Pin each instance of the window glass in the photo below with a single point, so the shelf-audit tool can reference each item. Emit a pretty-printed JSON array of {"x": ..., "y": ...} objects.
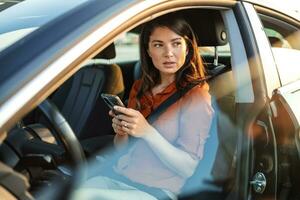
[
  {"x": 210, "y": 51},
  {"x": 127, "y": 47},
  {"x": 276, "y": 39},
  {"x": 287, "y": 62},
  {"x": 284, "y": 39},
  {"x": 286, "y": 34}
]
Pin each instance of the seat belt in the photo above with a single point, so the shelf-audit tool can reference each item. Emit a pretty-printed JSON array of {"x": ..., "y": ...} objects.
[
  {"x": 179, "y": 93},
  {"x": 156, "y": 192},
  {"x": 169, "y": 101},
  {"x": 166, "y": 104}
]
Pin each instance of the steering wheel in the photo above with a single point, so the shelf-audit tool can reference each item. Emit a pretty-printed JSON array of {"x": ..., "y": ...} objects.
[{"x": 64, "y": 132}]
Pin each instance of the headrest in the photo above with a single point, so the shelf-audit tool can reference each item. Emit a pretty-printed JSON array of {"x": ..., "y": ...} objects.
[
  {"x": 275, "y": 42},
  {"x": 108, "y": 53},
  {"x": 208, "y": 25}
]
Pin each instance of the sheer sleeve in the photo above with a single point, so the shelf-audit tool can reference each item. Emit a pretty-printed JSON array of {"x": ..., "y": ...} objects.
[{"x": 194, "y": 121}]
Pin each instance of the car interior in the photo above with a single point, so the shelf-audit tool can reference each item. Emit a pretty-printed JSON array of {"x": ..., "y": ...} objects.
[{"x": 38, "y": 155}]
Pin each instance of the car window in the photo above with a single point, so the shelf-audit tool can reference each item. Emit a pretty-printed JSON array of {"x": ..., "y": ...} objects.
[
  {"x": 276, "y": 39},
  {"x": 282, "y": 30},
  {"x": 127, "y": 47},
  {"x": 287, "y": 62},
  {"x": 284, "y": 39},
  {"x": 222, "y": 90},
  {"x": 210, "y": 51}
]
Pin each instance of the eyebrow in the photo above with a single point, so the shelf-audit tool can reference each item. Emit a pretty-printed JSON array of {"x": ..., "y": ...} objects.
[{"x": 175, "y": 39}]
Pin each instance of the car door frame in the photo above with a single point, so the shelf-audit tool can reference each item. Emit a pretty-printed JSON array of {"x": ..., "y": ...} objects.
[
  {"x": 258, "y": 141},
  {"x": 285, "y": 109}
]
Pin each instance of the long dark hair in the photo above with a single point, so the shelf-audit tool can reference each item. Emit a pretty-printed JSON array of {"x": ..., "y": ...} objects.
[{"x": 192, "y": 70}]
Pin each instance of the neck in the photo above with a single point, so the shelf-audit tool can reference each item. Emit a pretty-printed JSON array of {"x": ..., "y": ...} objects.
[{"x": 166, "y": 79}]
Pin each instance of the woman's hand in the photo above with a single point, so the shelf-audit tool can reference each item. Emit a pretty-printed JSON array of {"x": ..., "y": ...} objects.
[
  {"x": 131, "y": 122},
  {"x": 121, "y": 137},
  {"x": 135, "y": 124},
  {"x": 116, "y": 124}
]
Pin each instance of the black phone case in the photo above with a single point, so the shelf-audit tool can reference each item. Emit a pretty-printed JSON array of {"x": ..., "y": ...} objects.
[{"x": 111, "y": 100}]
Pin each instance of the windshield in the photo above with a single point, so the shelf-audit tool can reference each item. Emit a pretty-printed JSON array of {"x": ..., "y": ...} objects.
[{"x": 19, "y": 18}]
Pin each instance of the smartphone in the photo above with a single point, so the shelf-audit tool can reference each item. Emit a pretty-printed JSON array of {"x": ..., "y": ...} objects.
[{"x": 111, "y": 101}]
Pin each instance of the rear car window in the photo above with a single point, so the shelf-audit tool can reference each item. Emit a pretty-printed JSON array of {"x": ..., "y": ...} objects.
[
  {"x": 127, "y": 48},
  {"x": 284, "y": 39}
]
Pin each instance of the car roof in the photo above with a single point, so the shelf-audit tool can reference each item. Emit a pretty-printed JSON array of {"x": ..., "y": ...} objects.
[{"x": 289, "y": 7}]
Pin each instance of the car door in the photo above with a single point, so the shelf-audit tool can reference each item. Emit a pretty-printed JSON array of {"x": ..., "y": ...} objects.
[
  {"x": 254, "y": 112},
  {"x": 286, "y": 122},
  {"x": 275, "y": 154},
  {"x": 283, "y": 33},
  {"x": 255, "y": 162}
]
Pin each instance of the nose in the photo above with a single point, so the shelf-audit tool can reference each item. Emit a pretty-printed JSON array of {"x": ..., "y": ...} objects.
[{"x": 168, "y": 51}]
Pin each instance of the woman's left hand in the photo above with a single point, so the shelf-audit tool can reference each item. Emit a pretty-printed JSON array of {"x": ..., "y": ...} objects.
[{"x": 133, "y": 122}]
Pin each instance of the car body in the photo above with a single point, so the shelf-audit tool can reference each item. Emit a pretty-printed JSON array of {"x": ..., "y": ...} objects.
[{"x": 251, "y": 50}]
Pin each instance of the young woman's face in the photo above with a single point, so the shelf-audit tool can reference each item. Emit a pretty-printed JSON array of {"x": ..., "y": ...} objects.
[{"x": 167, "y": 50}]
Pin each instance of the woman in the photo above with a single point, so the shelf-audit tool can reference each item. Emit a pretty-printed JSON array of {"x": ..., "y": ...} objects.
[{"x": 166, "y": 152}]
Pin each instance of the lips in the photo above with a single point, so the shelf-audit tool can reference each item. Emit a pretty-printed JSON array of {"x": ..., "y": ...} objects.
[{"x": 168, "y": 63}]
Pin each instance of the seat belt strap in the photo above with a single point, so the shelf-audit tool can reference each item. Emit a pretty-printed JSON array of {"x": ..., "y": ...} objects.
[
  {"x": 164, "y": 105},
  {"x": 168, "y": 102}
]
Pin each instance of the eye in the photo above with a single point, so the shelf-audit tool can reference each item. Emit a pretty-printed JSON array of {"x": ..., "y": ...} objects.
[
  {"x": 177, "y": 44},
  {"x": 157, "y": 45}
]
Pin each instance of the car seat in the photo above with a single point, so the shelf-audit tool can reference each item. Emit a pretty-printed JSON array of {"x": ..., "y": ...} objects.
[
  {"x": 275, "y": 41},
  {"x": 79, "y": 98}
]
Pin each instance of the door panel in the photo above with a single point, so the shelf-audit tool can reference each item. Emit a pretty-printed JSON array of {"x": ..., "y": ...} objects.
[{"x": 286, "y": 120}]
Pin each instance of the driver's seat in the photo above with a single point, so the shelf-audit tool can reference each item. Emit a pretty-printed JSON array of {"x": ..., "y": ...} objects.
[{"x": 79, "y": 100}]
